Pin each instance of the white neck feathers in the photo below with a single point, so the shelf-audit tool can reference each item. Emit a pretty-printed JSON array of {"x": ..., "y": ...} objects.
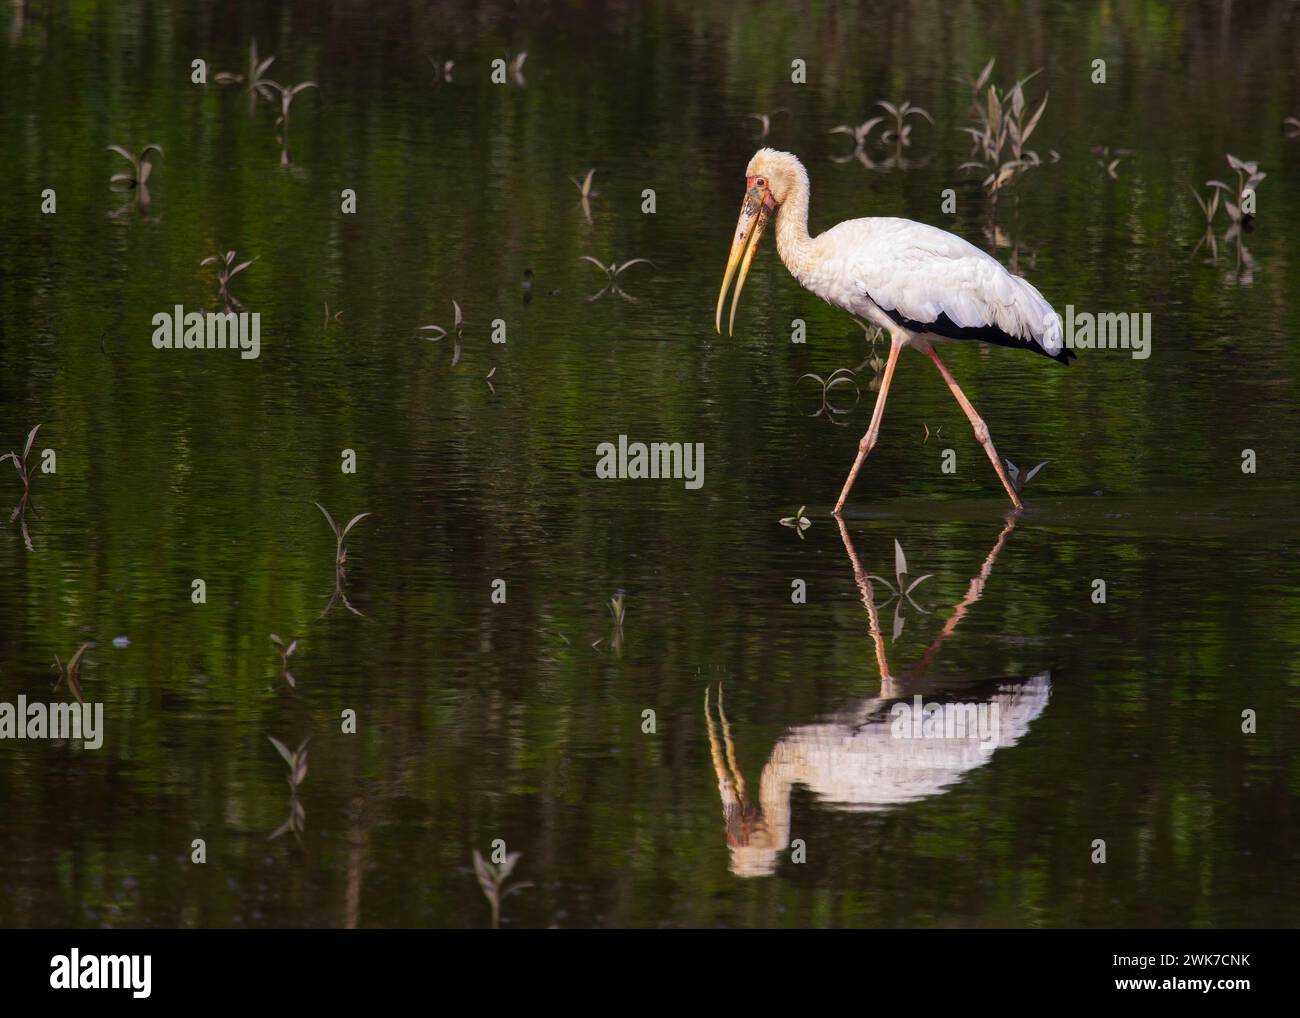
[{"x": 793, "y": 244}]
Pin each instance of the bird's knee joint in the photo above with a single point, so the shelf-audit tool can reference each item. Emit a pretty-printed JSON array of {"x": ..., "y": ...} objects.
[
  {"x": 981, "y": 431},
  {"x": 866, "y": 444}
]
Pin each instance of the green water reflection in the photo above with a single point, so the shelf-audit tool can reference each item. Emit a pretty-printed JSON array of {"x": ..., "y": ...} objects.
[{"x": 524, "y": 720}]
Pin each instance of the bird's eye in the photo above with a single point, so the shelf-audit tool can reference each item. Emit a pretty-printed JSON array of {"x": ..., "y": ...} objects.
[{"x": 761, "y": 182}]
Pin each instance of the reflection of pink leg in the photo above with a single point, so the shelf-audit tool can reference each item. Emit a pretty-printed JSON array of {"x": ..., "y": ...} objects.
[
  {"x": 873, "y": 432},
  {"x": 973, "y": 594},
  {"x": 977, "y": 422},
  {"x": 887, "y": 689}
]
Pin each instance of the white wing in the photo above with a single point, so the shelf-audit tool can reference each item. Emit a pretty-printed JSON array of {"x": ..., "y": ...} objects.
[{"x": 931, "y": 281}]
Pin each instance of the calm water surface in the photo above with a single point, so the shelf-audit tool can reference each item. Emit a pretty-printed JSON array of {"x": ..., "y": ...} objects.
[{"x": 524, "y": 721}]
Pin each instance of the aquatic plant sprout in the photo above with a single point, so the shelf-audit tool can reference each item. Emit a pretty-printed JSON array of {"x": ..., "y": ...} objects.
[
  {"x": 296, "y": 761},
  {"x": 20, "y": 465},
  {"x": 612, "y": 272},
  {"x": 1000, "y": 124},
  {"x": 340, "y": 557},
  {"x": 798, "y": 521},
  {"x": 492, "y": 881},
  {"x": 1014, "y": 473},
  {"x": 765, "y": 120},
  {"x": 285, "y": 651},
  {"x": 257, "y": 85},
  {"x": 226, "y": 271},
  {"x": 71, "y": 675},
  {"x": 437, "y": 332},
  {"x": 141, "y": 166}
]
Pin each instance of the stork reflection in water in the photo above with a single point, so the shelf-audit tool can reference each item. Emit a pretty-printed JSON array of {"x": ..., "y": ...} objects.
[{"x": 855, "y": 760}]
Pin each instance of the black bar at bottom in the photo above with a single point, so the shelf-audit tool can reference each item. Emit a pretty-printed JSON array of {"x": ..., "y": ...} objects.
[{"x": 287, "y": 968}]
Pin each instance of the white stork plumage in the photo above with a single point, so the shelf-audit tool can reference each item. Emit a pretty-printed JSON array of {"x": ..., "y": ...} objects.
[{"x": 921, "y": 284}]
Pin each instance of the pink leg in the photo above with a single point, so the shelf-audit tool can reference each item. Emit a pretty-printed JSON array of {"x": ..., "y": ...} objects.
[
  {"x": 873, "y": 432},
  {"x": 977, "y": 422}
]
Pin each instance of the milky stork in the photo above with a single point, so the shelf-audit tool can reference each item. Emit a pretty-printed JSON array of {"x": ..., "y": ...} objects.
[{"x": 919, "y": 283}]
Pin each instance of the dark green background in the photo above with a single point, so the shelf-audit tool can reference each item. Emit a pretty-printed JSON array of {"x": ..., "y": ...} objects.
[{"x": 482, "y": 721}]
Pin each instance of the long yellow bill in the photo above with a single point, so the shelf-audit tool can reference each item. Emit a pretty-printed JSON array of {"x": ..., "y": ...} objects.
[{"x": 754, "y": 214}]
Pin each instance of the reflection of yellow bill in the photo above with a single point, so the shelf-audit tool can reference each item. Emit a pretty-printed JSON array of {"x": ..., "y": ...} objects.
[{"x": 754, "y": 214}]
